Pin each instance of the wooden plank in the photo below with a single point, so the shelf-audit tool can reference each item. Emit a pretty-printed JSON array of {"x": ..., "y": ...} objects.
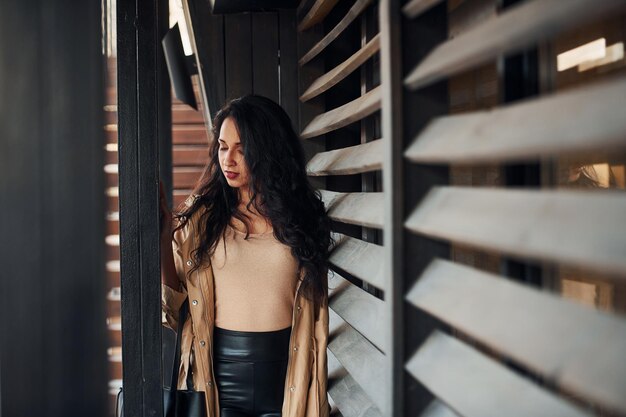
[
  {"x": 358, "y": 308},
  {"x": 316, "y": 14},
  {"x": 353, "y": 13},
  {"x": 186, "y": 177},
  {"x": 416, "y": 7},
  {"x": 352, "y": 350},
  {"x": 342, "y": 70},
  {"x": 356, "y": 159},
  {"x": 358, "y": 258},
  {"x": 242, "y": 6},
  {"x": 554, "y": 341},
  {"x": 288, "y": 64},
  {"x": 344, "y": 115},
  {"x": 509, "y": 32},
  {"x": 346, "y": 393},
  {"x": 238, "y": 54},
  {"x": 51, "y": 209},
  {"x": 573, "y": 227},
  {"x": 139, "y": 83},
  {"x": 186, "y": 155},
  {"x": 365, "y": 209},
  {"x": 477, "y": 386},
  {"x": 584, "y": 119},
  {"x": 438, "y": 409},
  {"x": 265, "y": 55}
]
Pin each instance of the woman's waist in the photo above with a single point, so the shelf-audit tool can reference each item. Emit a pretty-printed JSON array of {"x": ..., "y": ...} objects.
[{"x": 264, "y": 346}]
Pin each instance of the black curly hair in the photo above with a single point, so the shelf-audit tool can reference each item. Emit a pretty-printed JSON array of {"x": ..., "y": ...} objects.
[{"x": 275, "y": 160}]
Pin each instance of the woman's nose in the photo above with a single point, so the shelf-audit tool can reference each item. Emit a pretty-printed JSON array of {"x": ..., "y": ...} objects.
[{"x": 229, "y": 160}]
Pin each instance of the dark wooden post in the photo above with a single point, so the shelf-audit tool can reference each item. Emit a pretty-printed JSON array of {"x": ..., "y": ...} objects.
[
  {"x": 53, "y": 343},
  {"x": 141, "y": 107}
]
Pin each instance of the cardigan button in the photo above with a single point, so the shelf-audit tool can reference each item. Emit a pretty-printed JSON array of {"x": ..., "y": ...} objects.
[
  {"x": 189, "y": 263},
  {"x": 295, "y": 348},
  {"x": 292, "y": 388},
  {"x": 202, "y": 343},
  {"x": 194, "y": 302},
  {"x": 210, "y": 383}
]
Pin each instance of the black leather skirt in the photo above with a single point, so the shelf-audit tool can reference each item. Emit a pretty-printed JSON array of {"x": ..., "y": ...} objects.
[{"x": 250, "y": 370}]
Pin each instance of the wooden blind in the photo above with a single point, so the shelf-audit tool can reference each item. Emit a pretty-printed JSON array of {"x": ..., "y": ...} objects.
[
  {"x": 468, "y": 125},
  {"x": 347, "y": 92}
]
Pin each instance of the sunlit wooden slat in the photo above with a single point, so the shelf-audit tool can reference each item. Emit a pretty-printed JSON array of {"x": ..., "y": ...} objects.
[
  {"x": 358, "y": 258},
  {"x": 476, "y": 386},
  {"x": 344, "y": 115},
  {"x": 415, "y": 7},
  {"x": 353, "y": 351},
  {"x": 316, "y": 14},
  {"x": 364, "y": 209},
  {"x": 555, "y": 341},
  {"x": 578, "y": 228},
  {"x": 558, "y": 124},
  {"x": 352, "y": 14},
  {"x": 342, "y": 70},
  {"x": 358, "y": 308},
  {"x": 346, "y": 393},
  {"x": 347, "y": 161},
  {"x": 509, "y": 32}
]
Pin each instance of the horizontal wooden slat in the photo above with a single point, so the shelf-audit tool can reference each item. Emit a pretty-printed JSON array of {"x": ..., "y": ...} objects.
[
  {"x": 342, "y": 70},
  {"x": 509, "y": 32},
  {"x": 358, "y": 308},
  {"x": 358, "y": 258},
  {"x": 185, "y": 155},
  {"x": 476, "y": 386},
  {"x": 438, "y": 409},
  {"x": 579, "y": 228},
  {"x": 416, "y": 7},
  {"x": 353, "y": 350},
  {"x": 558, "y": 124},
  {"x": 347, "y": 161},
  {"x": 186, "y": 177},
  {"x": 352, "y": 14},
  {"x": 316, "y": 14},
  {"x": 344, "y": 115},
  {"x": 556, "y": 340},
  {"x": 346, "y": 393},
  {"x": 181, "y": 134},
  {"x": 365, "y": 209}
]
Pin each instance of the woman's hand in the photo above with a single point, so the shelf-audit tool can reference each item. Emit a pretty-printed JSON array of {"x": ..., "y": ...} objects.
[{"x": 165, "y": 217}]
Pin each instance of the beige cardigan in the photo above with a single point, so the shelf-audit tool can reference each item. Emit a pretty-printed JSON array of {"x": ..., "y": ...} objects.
[{"x": 306, "y": 381}]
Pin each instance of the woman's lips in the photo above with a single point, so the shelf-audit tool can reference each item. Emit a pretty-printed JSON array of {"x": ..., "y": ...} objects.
[{"x": 230, "y": 175}]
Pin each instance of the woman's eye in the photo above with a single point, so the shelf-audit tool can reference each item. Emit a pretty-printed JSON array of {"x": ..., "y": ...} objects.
[{"x": 223, "y": 149}]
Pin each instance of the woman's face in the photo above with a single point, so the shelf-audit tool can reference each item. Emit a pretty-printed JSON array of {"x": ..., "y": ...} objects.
[{"x": 230, "y": 155}]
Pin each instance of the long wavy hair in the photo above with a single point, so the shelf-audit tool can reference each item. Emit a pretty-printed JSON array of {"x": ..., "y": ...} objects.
[{"x": 279, "y": 189}]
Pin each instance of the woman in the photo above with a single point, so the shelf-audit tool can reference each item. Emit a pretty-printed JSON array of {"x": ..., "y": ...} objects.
[{"x": 250, "y": 253}]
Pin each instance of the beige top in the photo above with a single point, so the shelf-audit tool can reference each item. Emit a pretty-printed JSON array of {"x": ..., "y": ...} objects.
[{"x": 255, "y": 282}]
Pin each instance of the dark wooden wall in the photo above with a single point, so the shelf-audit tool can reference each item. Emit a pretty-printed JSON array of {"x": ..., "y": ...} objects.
[
  {"x": 53, "y": 346},
  {"x": 246, "y": 53}
]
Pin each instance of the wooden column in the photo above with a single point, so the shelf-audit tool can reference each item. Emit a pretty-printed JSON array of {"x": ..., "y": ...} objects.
[
  {"x": 53, "y": 343},
  {"x": 140, "y": 110}
]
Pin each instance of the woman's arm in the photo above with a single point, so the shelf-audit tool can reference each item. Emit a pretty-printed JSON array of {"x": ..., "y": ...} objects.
[
  {"x": 169, "y": 276},
  {"x": 173, "y": 290},
  {"x": 321, "y": 360}
]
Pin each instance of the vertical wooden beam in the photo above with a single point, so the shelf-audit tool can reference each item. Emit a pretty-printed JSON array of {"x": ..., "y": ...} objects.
[
  {"x": 139, "y": 107},
  {"x": 265, "y": 55},
  {"x": 288, "y": 61},
  {"x": 238, "y": 54},
  {"x": 393, "y": 186},
  {"x": 53, "y": 344}
]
